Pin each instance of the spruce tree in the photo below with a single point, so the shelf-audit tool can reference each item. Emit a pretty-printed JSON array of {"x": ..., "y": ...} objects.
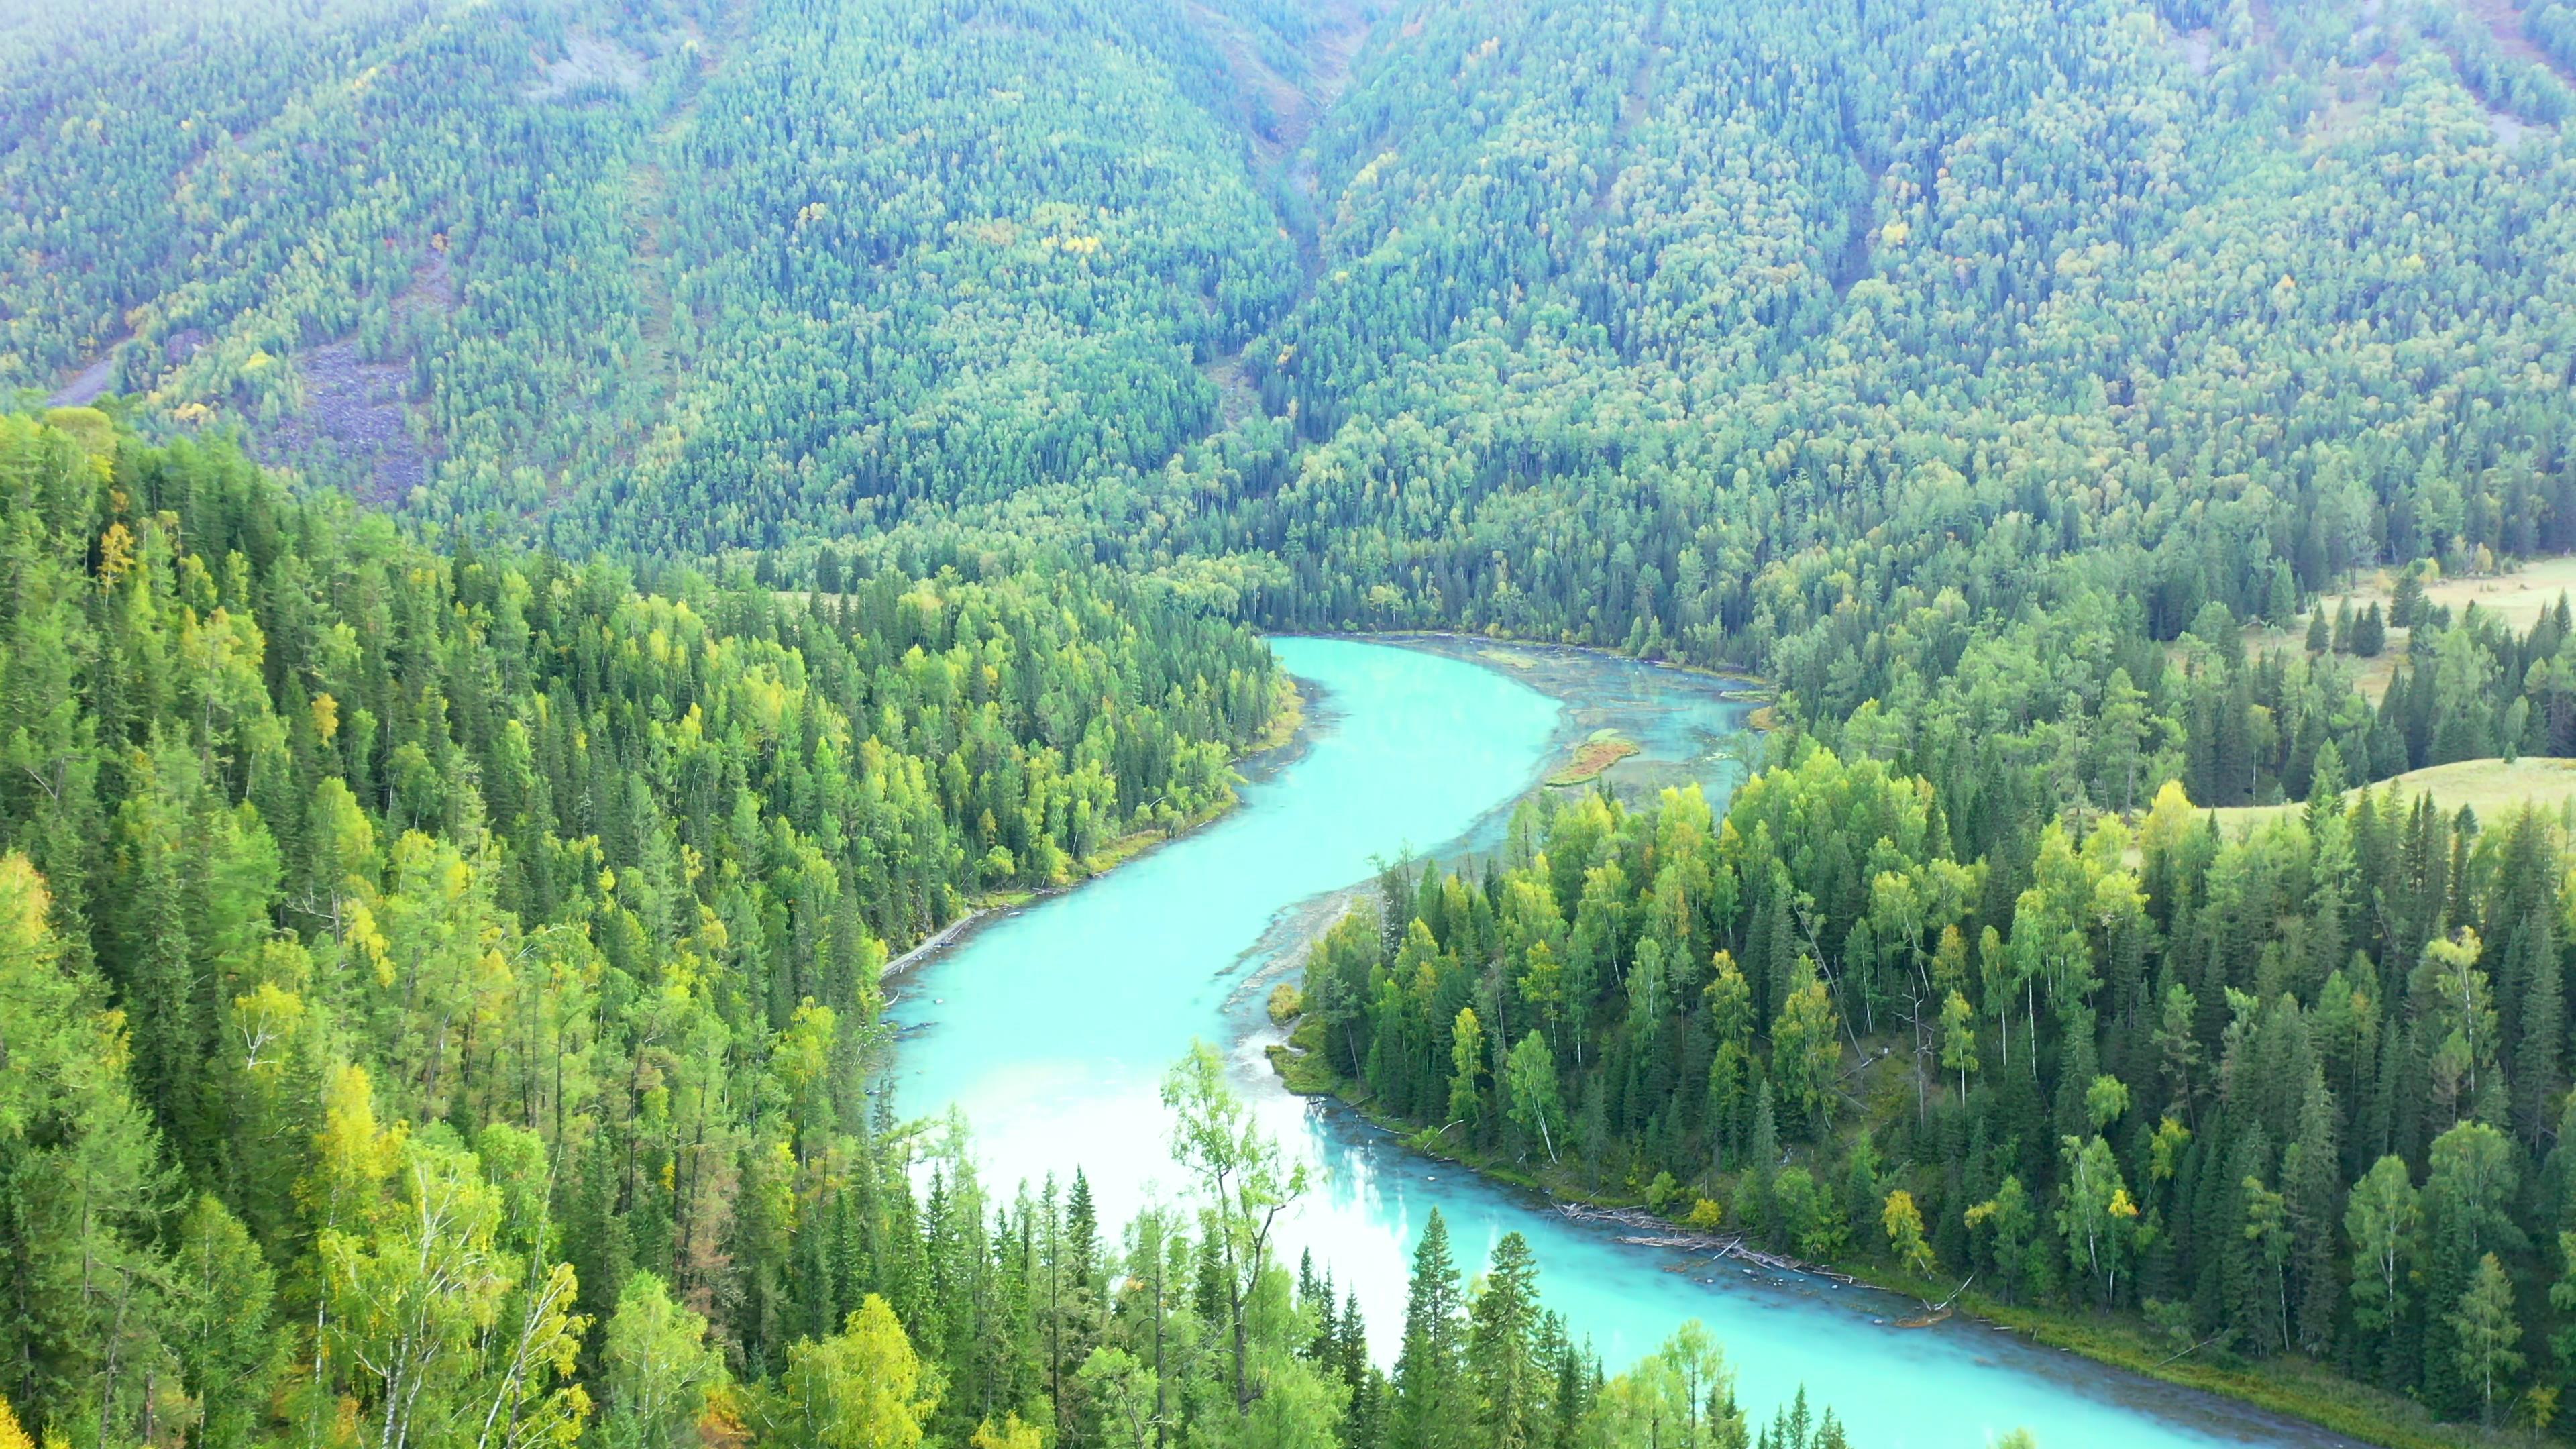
[
  {"x": 1363, "y": 1421},
  {"x": 2281, "y": 601},
  {"x": 1502, "y": 1350},
  {"x": 2532, "y": 969},
  {"x": 2310, "y": 1178},
  {"x": 1434, "y": 1404},
  {"x": 1754, "y": 1207},
  {"x": 2406, "y": 600}
]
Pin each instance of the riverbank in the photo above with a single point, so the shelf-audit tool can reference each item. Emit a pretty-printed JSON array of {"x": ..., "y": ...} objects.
[
  {"x": 2293, "y": 1387},
  {"x": 1493, "y": 648},
  {"x": 1287, "y": 724},
  {"x": 2290, "y": 1388},
  {"x": 1053, "y": 1028}
]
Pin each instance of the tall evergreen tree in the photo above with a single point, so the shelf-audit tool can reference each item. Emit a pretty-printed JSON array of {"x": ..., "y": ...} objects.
[
  {"x": 1502, "y": 1353},
  {"x": 1434, "y": 1404}
]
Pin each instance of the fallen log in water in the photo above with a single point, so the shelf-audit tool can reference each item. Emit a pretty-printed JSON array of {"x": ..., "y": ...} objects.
[
  {"x": 945, "y": 936},
  {"x": 1626, "y": 1217},
  {"x": 1782, "y": 1263},
  {"x": 1683, "y": 1242},
  {"x": 1651, "y": 1231}
]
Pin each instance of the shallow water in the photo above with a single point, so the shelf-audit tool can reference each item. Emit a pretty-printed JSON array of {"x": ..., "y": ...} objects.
[{"x": 1051, "y": 1028}]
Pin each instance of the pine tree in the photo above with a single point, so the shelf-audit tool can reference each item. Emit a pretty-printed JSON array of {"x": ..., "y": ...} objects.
[
  {"x": 2310, "y": 1177},
  {"x": 1434, "y": 1404},
  {"x": 2406, "y": 600},
  {"x": 1502, "y": 1350}
]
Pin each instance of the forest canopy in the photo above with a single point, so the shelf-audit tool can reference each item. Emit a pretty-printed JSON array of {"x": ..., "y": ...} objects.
[
  {"x": 549, "y": 540},
  {"x": 1736, "y": 336}
]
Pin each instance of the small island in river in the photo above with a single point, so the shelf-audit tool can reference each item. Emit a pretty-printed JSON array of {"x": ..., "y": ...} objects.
[{"x": 1602, "y": 749}]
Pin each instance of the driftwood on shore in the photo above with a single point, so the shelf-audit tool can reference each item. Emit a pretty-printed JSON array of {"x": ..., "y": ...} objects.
[
  {"x": 1130, "y": 845},
  {"x": 945, "y": 936},
  {"x": 1650, "y": 1231}
]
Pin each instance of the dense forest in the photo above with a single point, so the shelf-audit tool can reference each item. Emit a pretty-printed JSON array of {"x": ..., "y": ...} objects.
[
  {"x": 338, "y": 866},
  {"x": 439, "y": 997},
  {"x": 759, "y": 265},
  {"x": 867, "y": 292},
  {"x": 608, "y": 520},
  {"x": 1751, "y": 337},
  {"x": 2299, "y": 1088}
]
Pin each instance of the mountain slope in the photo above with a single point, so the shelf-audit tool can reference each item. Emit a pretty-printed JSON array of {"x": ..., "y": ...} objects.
[{"x": 746, "y": 265}]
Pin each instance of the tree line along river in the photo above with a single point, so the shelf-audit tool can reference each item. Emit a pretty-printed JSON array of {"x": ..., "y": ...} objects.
[{"x": 1051, "y": 1028}]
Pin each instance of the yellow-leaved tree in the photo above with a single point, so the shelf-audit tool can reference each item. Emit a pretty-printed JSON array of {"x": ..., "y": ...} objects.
[{"x": 861, "y": 1388}]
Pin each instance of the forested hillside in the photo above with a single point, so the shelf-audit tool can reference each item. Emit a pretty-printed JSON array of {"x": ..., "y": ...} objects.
[
  {"x": 438, "y": 996},
  {"x": 712, "y": 271},
  {"x": 2303, "y": 1090},
  {"x": 767, "y": 475},
  {"x": 1893, "y": 352},
  {"x": 312, "y": 806},
  {"x": 1951, "y": 358},
  {"x": 394, "y": 240},
  {"x": 1746, "y": 336}
]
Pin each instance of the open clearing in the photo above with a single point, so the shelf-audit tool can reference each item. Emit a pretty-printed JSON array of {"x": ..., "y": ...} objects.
[
  {"x": 2517, "y": 597},
  {"x": 2504, "y": 19},
  {"x": 2491, "y": 787}
]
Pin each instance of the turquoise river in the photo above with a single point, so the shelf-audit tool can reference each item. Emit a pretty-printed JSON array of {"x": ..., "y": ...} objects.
[{"x": 1051, "y": 1028}]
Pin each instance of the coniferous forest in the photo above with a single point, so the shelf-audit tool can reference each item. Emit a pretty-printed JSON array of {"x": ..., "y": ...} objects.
[
  {"x": 547, "y": 543},
  {"x": 441, "y": 999}
]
